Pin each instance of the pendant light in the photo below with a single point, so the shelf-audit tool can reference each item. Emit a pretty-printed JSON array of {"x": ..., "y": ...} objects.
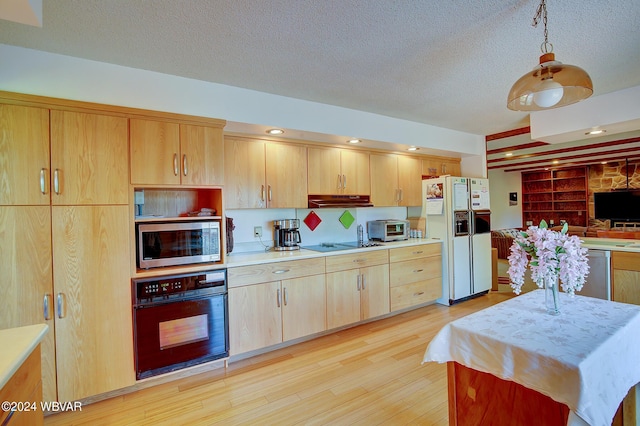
[{"x": 551, "y": 84}]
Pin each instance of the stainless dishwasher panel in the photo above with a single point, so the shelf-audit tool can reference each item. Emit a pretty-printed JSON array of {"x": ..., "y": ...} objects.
[{"x": 598, "y": 283}]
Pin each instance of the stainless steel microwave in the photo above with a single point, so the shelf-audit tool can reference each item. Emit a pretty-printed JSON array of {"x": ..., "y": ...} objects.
[
  {"x": 177, "y": 243},
  {"x": 388, "y": 230}
]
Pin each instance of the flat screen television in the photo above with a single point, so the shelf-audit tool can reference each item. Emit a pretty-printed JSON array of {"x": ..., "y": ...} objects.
[{"x": 619, "y": 206}]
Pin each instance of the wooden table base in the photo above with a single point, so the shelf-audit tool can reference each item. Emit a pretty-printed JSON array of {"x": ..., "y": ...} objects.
[{"x": 477, "y": 398}]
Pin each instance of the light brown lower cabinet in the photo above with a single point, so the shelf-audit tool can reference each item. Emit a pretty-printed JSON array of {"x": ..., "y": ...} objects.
[
  {"x": 265, "y": 312},
  {"x": 357, "y": 287},
  {"x": 27, "y": 279},
  {"x": 626, "y": 277},
  {"x": 92, "y": 295},
  {"x": 415, "y": 275},
  {"x": 625, "y": 288},
  {"x": 68, "y": 267}
]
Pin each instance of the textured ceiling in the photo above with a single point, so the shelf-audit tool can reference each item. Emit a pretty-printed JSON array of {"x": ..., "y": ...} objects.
[{"x": 444, "y": 63}]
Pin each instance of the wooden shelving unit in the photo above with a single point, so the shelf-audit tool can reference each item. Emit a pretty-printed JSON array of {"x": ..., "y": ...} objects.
[{"x": 555, "y": 196}]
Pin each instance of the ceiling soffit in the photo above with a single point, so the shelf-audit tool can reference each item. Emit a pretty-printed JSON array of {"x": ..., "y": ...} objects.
[{"x": 515, "y": 151}]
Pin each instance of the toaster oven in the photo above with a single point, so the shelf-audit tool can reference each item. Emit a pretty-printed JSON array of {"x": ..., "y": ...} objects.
[{"x": 388, "y": 230}]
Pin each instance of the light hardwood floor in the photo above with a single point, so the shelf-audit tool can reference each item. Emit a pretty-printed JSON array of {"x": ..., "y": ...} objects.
[{"x": 367, "y": 375}]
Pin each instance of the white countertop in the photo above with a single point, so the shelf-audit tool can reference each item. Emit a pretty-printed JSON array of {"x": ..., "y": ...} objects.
[
  {"x": 252, "y": 258},
  {"x": 613, "y": 244},
  {"x": 17, "y": 344}
]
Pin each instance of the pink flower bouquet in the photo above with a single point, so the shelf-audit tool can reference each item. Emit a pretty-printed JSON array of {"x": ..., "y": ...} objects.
[{"x": 552, "y": 255}]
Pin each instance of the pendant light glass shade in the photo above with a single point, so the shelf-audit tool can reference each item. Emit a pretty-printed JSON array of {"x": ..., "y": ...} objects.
[{"x": 551, "y": 84}]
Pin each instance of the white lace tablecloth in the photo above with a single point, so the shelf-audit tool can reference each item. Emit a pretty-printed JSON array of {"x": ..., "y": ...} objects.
[{"x": 587, "y": 358}]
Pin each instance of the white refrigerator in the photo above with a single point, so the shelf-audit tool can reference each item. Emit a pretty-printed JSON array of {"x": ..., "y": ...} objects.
[{"x": 457, "y": 211}]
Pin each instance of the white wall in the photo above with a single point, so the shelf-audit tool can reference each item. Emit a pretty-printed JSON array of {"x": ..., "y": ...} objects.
[
  {"x": 475, "y": 166},
  {"x": 330, "y": 229},
  {"x": 40, "y": 73},
  {"x": 500, "y": 185}
]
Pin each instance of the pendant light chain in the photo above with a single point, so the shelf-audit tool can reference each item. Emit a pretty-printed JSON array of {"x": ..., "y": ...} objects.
[{"x": 546, "y": 47}]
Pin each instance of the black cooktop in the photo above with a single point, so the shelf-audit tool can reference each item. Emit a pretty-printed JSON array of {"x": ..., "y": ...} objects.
[{"x": 326, "y": 247}]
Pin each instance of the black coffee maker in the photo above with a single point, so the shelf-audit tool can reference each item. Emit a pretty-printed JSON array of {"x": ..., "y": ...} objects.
[{"x": 286, "y": 235}]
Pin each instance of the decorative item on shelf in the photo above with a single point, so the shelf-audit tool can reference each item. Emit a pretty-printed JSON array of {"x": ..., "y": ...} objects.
[
  {"x": 553, "y": 256},
  {"x": 312, "y": 220},
  {"x": 202, "y": 212},
  {"x": 551, "y": 84},
  {"x": 346, "y": 219}
]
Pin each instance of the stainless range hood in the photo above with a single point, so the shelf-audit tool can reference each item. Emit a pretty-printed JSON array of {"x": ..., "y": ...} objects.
[{"x": 338, "y": 201}]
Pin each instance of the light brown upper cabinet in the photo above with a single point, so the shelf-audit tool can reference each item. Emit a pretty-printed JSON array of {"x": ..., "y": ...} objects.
[
  {"x": 437, "y": 166},
  {"x": 168, "y": 153},
  {"x": 88, "y": 159},
  {"x": 264, "y": 174},
  {"x": 338, "y": 171},
  {"x": 24, "y": 155},
  {"x": 396, "y": 180}
]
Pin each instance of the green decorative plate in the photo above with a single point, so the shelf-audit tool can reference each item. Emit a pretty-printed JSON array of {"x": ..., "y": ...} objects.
[{"x": 347, "y": 219}]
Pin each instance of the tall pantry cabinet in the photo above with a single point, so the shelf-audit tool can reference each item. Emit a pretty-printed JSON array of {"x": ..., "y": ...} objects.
[{"x": 64, "y": 238}]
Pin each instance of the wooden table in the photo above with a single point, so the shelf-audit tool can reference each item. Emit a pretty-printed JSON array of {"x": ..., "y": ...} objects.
[{"x": 515, "y": 364}]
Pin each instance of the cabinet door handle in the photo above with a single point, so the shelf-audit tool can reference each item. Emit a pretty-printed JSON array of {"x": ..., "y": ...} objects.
[
  {"x": 418, "y": 270},
  {"x": 262, "y": 192},
  {"x": 56, "y": 181},
  {"x": 269, "y": 192},
  {"x": 339, "y": 181},
  {"x": 278, "y": 298},
  {"x": 281, "y": 271},
  {"x": 359, "y": 276},
  {"x": 360, "y": 260},
  {"x": 363, "y": 286},
  {"x": 344, "y": 181},
  {"x": 175, "y": 164},
  {"x": 46, "y": 307},
  {"x": 417, "y": 252},
  {"x": 62, "y": 309},
  {"x": 184, "y": 164},
  {"x": 43, "y": 181},
  {"x": 400, "y": 199},
  {"x": 418, "y": 294},
  {"x": 286, "y": 297}
]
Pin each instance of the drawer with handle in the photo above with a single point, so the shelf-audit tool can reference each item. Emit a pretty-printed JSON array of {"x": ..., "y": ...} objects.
[
  {"x": 412, "y": 252},
  {"x": 344, "y": 262},
  {"x": 416, "y": 293},
  {"x": 274, "y": 271},
  {"x": 411, "y": 271}
]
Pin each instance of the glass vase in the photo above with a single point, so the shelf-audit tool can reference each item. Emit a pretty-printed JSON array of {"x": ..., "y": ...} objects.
[{"x": 552, "y": 296}]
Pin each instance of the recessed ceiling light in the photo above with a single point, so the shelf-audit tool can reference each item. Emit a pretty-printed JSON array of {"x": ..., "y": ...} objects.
[
  {"x": 603, "y": 162},
  {"x": 555, "y": 161},
  {"x": 508, "y": 154},
  {"x": 354, "y": 141},
  {"x": 595, "y": 132},
  {"x": 413, "y": 148},
  {"x": 275, "y": 131}
]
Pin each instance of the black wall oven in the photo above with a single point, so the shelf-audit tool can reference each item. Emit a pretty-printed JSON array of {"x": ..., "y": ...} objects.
[{"x": 179, "y": 321}]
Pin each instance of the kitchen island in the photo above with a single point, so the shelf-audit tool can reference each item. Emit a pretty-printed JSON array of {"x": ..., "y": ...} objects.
[
  {"x": 574, "y": 369},
  {"x": 20, "y": 376}
]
